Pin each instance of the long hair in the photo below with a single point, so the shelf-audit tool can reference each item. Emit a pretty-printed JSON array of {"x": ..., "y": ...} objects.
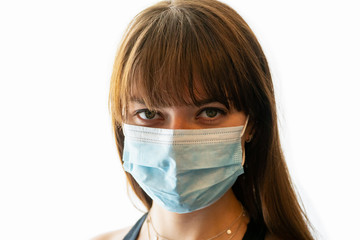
[{"x": 174, "y": 50}]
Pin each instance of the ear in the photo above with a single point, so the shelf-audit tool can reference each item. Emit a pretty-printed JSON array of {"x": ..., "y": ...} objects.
[
  {"x": 249, "y": 133},
  {"x": 247, "y": 137}
]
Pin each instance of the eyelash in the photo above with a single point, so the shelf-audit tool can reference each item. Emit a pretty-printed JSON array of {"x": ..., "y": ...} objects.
[
  {"x": 143, "y": 111},
  {"x": 209, "y": 119}
]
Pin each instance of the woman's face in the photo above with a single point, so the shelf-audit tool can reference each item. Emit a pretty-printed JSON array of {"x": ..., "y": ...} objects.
[{"x": 209, "y": 114}]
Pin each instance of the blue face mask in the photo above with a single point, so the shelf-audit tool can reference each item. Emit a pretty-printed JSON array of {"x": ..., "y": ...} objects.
[{"x": 183, "y": 170}]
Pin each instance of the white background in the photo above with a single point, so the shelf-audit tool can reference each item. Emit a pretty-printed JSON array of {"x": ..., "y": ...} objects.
[{"x": 60, "y": 177}]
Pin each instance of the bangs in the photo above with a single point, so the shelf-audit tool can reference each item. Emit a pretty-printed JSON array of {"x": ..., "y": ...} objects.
[{"x": 175, "y": 55}]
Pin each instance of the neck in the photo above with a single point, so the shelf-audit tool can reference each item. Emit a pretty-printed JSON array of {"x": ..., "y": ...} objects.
[{"x": 201, "y": 224}]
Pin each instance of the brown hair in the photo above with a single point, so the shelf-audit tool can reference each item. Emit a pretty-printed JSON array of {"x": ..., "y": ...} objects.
[{"x": 173, "y": 48}]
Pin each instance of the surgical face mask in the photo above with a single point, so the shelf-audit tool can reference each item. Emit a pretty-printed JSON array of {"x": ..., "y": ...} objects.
[{"x": 183, "y": 170}]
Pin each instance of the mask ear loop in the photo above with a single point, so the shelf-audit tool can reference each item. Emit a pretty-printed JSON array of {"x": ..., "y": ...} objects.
[{"x": 242, "y": 133}]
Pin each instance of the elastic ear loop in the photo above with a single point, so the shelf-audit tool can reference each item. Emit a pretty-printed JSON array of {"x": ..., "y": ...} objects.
[{"x": 242, "y": 133}]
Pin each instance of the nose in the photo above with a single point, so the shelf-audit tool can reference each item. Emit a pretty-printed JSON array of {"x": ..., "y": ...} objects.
[
  {"x": 178, "y": 122},
  {"x": 180, "y": 118}
]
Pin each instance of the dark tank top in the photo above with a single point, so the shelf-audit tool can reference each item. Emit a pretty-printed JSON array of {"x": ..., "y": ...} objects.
[{"x": 253, "y": 231}]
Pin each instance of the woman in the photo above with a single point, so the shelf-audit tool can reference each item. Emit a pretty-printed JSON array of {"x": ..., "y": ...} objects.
[{"x": 194, "y": 116}]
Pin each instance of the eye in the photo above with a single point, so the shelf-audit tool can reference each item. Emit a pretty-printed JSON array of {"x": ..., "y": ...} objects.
[
  {"x": 211, "y": 113},
  {"x": 147, "y": 114}
]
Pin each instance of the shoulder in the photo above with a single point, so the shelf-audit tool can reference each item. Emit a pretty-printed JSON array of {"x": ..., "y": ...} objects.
[{"x": 114, "y": 235}]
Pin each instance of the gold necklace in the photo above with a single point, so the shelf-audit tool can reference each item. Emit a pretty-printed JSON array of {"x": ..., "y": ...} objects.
[{"x": 226, "y": 230}]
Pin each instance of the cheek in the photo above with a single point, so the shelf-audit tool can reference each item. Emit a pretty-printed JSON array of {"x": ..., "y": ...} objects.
[
  {"x": 236, "y": 119},
  {"x": 128, "y": 117}
]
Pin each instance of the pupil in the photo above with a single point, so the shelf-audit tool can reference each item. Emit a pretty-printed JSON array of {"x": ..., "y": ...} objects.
[
  {"x": 211, "y": 113},
  {"x": 150, "y": 114}
]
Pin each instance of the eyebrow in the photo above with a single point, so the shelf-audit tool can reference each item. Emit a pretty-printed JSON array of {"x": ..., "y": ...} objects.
[
  {"x": 137, "y": 100},
  {"x": 198, "y": 103},
  {"x": 207, "y": 101}
]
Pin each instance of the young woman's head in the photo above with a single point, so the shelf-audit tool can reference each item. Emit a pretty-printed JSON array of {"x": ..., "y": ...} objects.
[{"x": 179, "y": 53}]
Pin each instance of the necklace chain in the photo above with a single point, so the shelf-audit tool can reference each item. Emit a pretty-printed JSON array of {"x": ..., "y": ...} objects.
[{"x": 226, "y": 230}]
